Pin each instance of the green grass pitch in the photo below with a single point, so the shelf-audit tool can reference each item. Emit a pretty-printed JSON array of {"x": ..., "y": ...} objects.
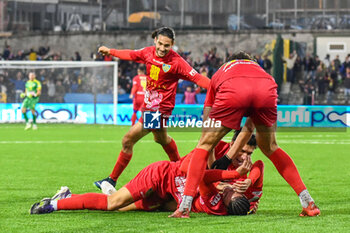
[{"x": 34, "y": 164}]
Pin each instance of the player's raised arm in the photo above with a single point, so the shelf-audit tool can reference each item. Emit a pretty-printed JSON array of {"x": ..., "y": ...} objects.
[{"x": 121, "y": 54}]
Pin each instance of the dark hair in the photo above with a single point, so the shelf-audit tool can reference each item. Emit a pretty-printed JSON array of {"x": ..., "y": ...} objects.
[
  {"x": 142, "y": 69},
  {"x": 251, "y": 142},
  {"x": 240, "y": 55},
  {"x": 238, "y": 206},
  {"x": 164, "y": 31}
]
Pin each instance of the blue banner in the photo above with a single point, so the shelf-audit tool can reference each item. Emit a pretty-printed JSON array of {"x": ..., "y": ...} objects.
[{"x": 288, "y": 115}]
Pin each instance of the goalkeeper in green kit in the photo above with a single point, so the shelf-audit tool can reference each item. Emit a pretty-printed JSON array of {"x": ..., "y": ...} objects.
[{"x": 31, "y": 98}]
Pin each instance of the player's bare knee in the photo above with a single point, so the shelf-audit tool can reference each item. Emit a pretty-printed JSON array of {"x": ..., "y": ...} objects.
[{"x": 113, "y": 202}]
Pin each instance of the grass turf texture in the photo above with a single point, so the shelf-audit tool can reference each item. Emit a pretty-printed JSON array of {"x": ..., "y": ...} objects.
[{"x": 78, "y": 155}]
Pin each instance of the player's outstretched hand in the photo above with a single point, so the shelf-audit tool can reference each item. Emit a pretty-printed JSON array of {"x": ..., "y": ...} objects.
[
  {"x": 23, "y": 95},
  {"x": 221, "y": 163},
  {"x": 245, "y": 167},
  {"x": 104, "y": 50}
]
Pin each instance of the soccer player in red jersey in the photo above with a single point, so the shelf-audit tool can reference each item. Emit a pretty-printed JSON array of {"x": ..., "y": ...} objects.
[
  {"x": 164, "y": 181},
  {"x": 164, "y": 67},
  {"x": 242, "y": 88},
  {"x": 138, "y": 92}
]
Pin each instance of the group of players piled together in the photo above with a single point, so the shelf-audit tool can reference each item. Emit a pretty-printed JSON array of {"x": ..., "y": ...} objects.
[{"x": 216, "y": 177}]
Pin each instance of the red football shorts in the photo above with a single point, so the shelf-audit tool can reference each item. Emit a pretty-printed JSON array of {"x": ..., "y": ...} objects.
[
  {"x": 153, "y": 178},
  {"x": 137, "y": 104},
  {"x": 250, "y": 97}
]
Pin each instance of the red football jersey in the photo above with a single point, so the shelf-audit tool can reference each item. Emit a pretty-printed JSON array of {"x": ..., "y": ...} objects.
[
  {"x": 163, "y": 74},
  {"x": 234, "y": 69},
  {"x": 139, "y": 83}
]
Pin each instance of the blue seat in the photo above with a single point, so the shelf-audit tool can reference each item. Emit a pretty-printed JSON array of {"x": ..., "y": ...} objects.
[
  {"x": 104, "y": 98},
  {"x": 178, "y": 98},
  {"x": 200, "y": 98},
  {"x": 79, "y": 98}
]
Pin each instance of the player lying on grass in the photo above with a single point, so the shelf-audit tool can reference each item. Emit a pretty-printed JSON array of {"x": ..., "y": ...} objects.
[
  {"x": 163, "y": 181},
  {"x": 250, "y": 187}
]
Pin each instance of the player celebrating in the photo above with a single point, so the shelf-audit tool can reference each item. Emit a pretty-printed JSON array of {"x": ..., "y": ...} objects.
[
  {"x": 155, "y": 183},
  {"x": 31, "y": 95},
  {"x": 138, "y": 92},
  {"x": 164, "y": 68},
  {"x": 242, "y": 88}
]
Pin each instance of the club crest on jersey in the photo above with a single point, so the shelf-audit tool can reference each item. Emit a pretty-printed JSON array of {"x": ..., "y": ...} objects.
[{"x": 166, "y": 67}]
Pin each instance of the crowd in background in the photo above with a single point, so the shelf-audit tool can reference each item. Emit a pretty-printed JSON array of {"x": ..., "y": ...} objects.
[{"x": 318, "y": 79}]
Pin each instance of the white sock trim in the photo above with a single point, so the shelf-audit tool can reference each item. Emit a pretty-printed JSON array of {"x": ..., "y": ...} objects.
[
  {"x": 54, "y": 204},
  {"x": 305, "y": 198}
]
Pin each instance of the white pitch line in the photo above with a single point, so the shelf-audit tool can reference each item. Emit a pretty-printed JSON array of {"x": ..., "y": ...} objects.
[{"x": 337, "y": 142}]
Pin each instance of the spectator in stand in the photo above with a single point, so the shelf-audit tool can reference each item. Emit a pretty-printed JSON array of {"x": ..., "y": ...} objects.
[
  {"x": 51, "y": 90},
  {"x": 337, "y": 63},
  {"x": 267, "y": 64},
  {"x": 20, "y": 56},
  {"x": 190, "y": 96},
  {"x": 197, "y": 64},
  {"x": 259, "y": 60},
  {"x": 7, "y": 54},
  {"x": 60, "y": 92},
  {"x": 290, "y": 64},
  {"x": 308, "y": 92},
  {"x": 327, "y": 61},
  {"x": 32, "y": 55},
  {"x": 298, "y": 69},
  {"x": 333, "y": 72},
  {"x": 343, "y": 67},
  {"x": 320, "y": 79},
  {"x": 74, "y": 87},
  {"x": 331, "y": 88},
  {"x": 77, "y": 56},
  {"x": 347, "y": 86},
  {"x": 3, "y": 90},
  {"x": 121, "y": 91},
  {"x": 309, "y": 67},
  {"x": 19, "y": 86}
]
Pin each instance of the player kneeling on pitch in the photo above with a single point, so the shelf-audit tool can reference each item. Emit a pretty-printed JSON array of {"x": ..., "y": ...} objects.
[{"x": 161, "y": 184}]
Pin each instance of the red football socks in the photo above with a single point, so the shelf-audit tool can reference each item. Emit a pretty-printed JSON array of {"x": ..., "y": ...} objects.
[
  {"x": 122, "y": 162},
  {"x": 287, "y": 169},
  {"x": 91, "y": 201},
  {"x": 196, "y": 171},
  {"x": 171, "y": 150},
  {"x": 133, "y": 118}
]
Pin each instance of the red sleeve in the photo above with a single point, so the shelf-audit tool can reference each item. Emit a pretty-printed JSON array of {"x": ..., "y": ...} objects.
[
  {"x": 214, "y": 175},
  {"x": 256, "y": 171},
  {"x": 209, "y": 99},
  {"x": 122, "y": 54},
  {"x": 207, "y": 187},
  {"x": 134, "y": 85}
]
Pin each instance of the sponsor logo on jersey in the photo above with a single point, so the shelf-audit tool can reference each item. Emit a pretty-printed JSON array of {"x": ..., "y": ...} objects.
[
  {"x": 193, "y": 72},
  {"x": 166, "y": 67},
  {"x": 159, "y": 62}
]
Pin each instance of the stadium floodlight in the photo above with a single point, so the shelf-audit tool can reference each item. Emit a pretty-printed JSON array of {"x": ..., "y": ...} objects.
[{"x": 89, "y": 77}]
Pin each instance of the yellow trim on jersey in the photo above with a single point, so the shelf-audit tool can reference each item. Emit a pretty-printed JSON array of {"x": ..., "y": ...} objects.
[{"x": 39, "y": 84}]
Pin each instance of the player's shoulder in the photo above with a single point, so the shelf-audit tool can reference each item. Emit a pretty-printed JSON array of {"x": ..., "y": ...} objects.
[
  {"x": 37, "y": 82},
  {"x": 148, "y": 49}
]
